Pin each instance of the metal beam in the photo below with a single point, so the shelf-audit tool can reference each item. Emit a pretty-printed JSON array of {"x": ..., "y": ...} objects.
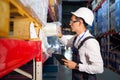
[{"x": 23, "y": 73}]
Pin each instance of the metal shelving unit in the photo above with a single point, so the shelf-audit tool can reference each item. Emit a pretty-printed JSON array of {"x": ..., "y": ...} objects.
[
  {"x": 15, "y": 50},
  {"x": 106, "y": 13}
]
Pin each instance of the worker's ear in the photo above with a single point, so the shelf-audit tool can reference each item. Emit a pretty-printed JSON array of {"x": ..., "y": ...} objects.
[{"x": 81, "y": 21}]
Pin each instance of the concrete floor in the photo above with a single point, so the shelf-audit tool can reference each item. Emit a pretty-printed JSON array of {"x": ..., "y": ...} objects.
[{"x": 65, "y": 74}]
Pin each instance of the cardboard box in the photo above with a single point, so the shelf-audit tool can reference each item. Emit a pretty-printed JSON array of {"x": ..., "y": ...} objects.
[{"x": 21, "y": 28}]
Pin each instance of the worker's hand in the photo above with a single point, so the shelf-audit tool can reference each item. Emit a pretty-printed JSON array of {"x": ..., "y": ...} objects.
[
  {"x": 70, "y": 64},
  {"x": 59, "y": 34}
]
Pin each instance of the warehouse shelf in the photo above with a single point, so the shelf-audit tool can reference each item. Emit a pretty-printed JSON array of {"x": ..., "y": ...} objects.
[
  {"x": 13, "y": 10},
  {"x": 17, "y": 48},
  {"x": 111, "y": 55},
  {"x": 107, "y": 20},
  {"x": 25, "y": 11},
  {"x": 97, "y": 5},
  {"x": 17, "y": 55}
]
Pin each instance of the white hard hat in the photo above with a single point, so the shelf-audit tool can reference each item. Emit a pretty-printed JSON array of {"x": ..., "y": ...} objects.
[{"x": 86, "y": 14}]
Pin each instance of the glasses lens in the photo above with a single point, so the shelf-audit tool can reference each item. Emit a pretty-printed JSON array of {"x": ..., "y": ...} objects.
[{"x": 73, "y": 21}]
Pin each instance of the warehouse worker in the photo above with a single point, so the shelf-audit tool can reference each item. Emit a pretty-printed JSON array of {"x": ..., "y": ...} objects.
[{"x": 86, "y": 57}]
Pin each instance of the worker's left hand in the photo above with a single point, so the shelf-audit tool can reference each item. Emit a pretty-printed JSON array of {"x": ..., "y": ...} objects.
[{"x": 70, "y": 64}]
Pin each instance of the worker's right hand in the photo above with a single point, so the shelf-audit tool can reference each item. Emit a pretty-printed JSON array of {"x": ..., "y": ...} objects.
[
  {"x": 59, "y": 34},
  {"x": 70, "y": 64}
]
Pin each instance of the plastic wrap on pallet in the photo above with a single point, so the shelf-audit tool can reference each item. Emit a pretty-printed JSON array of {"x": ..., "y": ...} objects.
[
  {"x": 117, "y": 1},
  {"x": 25, "y": 2},
  {"x": 43, "y": 38},
  {"x": 117, "y": 16},
  {"x": 39, "y": 8},
  {"x": 117, "y": 8},
  {"x": 105, "y": 6},
  {"x": 32, "y": 31},
  {"x": 47, "y": 51},
  {"x": 112, "y": 7},
  {"x": 99, "y": 21},
  {"x": 117, "y": 23},
  {"x": 105, "y": 25},
  {"x": 99, "y": 15},
  {"x": 105, "y": 16}
]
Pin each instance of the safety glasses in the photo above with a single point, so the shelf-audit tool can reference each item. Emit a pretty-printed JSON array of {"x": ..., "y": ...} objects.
[{"x": 71, "y": 22}]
